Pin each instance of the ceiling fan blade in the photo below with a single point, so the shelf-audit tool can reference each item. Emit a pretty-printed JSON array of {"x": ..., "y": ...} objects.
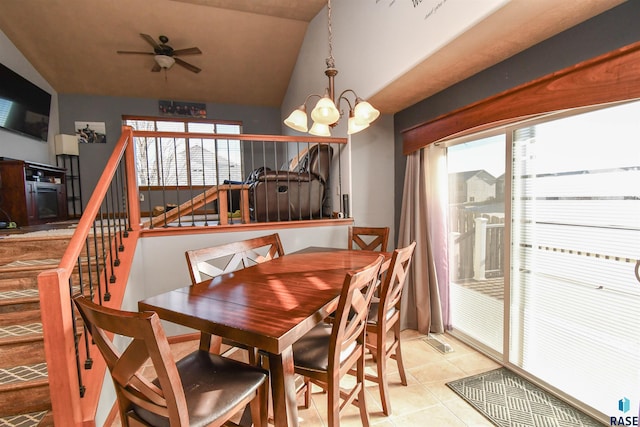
[
  {"x": 136, "y": 53},
  {"x": 187, "y": 65},
  {"x": 188, "y": 51},
  {"x": 150, "y": 40},
  {"x": 156, "y": 68}
]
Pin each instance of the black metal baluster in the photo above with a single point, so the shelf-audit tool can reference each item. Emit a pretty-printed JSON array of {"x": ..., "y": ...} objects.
[
  {"x": 81, "y": 388},
  {"x": 109, "y": 195},
  {"x": 113, "y": 240},
  {"x": 175, "y": 161},
  {"x": 103, "y": 262},
  {"x": 119, "y": 213}
]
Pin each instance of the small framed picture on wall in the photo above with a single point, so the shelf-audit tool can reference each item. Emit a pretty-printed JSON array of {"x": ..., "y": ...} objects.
[
  {"x": 183, "y": 109},
  {"x": 91, "y": 132}
]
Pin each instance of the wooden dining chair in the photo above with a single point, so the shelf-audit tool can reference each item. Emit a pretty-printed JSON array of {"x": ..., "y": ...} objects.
[
  {"x": 201, "y": 389},
  {"x": 384, "y": 316},
  {"x": 368, "y": 238},
  {"x": 330, "y": 350},
  {"x": 210, "y": 262}
]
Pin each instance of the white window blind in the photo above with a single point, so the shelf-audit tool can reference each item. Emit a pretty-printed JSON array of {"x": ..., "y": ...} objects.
[{"x": 575, "y": 241}]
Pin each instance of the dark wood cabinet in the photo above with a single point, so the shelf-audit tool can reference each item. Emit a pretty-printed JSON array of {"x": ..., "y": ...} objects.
[{"x": 32, "y": 193}]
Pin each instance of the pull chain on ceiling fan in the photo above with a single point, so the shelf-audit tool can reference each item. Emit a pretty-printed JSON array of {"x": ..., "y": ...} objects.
[{"x": 165, "y": 56}]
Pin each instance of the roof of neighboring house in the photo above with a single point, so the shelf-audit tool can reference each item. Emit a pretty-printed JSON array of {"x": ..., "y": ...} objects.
[{"x": 467, "y": 175}]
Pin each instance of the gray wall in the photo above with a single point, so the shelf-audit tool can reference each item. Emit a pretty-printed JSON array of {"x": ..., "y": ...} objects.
[
  {"x": 606, "y": 32},
  {"x": 93, "y": 157}
]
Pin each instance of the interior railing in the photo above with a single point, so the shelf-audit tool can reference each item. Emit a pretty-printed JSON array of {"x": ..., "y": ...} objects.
[
  {"x": 98, "y": 258},
  {"x": 106, "y": 235},
  {"x": 196, "y": 179}
]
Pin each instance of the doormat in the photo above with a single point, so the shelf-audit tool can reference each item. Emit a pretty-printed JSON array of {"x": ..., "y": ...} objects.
[{"x": 508, "y": 400}]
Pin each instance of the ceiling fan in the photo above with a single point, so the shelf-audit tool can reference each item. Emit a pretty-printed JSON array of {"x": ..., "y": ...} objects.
[{"x": 165, "y": 56}]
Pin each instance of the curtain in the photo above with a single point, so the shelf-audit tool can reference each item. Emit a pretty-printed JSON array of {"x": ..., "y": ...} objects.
[{"x": 425, "y": 301}]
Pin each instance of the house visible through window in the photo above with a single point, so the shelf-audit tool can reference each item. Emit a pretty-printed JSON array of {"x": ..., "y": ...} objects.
[{"x": 175, "y": 161}]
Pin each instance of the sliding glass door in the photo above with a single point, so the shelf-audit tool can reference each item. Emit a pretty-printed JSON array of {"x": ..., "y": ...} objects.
[
  {"x": 575, "y": 243},
  {"x": 476, "y": 224},
  {"x": 568, "y": 312}
]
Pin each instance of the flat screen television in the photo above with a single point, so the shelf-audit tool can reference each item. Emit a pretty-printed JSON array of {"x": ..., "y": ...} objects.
[{"x": 24, "y": 107}]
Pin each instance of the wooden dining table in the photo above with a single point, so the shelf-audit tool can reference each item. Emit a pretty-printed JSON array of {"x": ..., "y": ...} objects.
[{"x": 268, "y": 306}]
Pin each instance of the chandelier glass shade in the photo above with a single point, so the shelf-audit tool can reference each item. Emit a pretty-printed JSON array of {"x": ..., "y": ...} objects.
[
  {"x": 164, "y": 61},
  {"x": 327, "y": 113}
]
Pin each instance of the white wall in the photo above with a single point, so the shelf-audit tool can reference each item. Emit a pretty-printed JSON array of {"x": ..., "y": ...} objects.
[
  {"x": 159, "y": 264},
  {"x": 17, "y": 146}
]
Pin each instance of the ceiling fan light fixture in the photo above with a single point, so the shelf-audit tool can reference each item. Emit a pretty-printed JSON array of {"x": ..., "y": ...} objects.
[{"x": 165, "y": 61}]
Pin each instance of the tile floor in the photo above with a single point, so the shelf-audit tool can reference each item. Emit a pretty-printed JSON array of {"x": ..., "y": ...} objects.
[{"x": 426, "y": 400}]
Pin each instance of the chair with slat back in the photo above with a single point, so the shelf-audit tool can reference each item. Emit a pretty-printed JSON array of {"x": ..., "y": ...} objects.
[
  {"x": 384, "y": 316},
  {"x": 330, "y": 350},
  {"x": 368, "y": 238},
  {"x": 200, "y": 389},
  {"x": 210, "y": 262},
  {"x": 213, "y": 261}
]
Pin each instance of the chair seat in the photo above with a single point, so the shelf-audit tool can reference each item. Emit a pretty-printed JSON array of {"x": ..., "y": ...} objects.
[
  {"x": 373, "y": 313},
  {"x": 311, "y": 352},
  {"x": 220, "y": 384}
]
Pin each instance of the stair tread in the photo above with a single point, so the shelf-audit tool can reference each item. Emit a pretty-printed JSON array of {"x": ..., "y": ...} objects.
[
  {"x": 23, "y": 420},
  {"x": 19, "y": 374},
  {"x": 19, "y": 331},
  {"x": 31, "y": 262},
  {"x": 18, "y": 294}
]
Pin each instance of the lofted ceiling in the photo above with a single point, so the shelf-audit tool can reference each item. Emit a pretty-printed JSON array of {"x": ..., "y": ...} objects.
[{"x": 249, "y": 47}]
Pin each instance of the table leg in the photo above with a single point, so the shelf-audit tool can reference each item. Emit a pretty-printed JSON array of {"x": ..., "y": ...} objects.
[{"x": 283, "y": 389}]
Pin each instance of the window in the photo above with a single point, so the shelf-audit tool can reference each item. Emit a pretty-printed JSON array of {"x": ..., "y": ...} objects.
[{"x": 179, "y": 161}]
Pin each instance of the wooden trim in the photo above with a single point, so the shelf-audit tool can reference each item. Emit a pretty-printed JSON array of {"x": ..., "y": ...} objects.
[
  {"x": 240, "y": 137},
  {"x": 611, "y": 77},
  {"x": 273, "y": 225},
  {"x": 182, "y": 119}
]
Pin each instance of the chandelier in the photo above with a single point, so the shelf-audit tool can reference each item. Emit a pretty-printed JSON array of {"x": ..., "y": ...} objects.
[{"x": 326, "y": 114}]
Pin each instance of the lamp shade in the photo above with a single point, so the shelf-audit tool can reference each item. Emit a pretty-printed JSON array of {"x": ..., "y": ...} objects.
[
  {"x": 354, "y": 127},
  {"x": 297, "y": 120},
  {"x": 165, "y": 61},
  {"x": 320, "y": 129},
  {"x": 325, "y": 111},
  {"x": 365, "y": 113},
  {"x": 66, "y": 144}
]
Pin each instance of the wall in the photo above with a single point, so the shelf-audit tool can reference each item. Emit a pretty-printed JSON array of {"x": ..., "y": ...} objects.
[
  {"x": 93, "y": 157},
  {"x": 606, "y": 32},
  {"x": 17, "y": 146}
]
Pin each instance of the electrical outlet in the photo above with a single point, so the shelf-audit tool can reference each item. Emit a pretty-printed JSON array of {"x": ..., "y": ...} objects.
[{"x": 141, "y": 197}]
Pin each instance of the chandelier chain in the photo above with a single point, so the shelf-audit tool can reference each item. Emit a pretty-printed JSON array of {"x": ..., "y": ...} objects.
[{"x": 330, "y": 61}]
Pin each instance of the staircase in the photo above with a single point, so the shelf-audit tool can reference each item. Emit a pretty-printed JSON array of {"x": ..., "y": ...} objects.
[{"x": 24, "y": 390}]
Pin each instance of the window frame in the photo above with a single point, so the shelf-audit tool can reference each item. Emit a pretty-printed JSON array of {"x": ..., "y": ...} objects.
[{"x": 185, "y": 121}]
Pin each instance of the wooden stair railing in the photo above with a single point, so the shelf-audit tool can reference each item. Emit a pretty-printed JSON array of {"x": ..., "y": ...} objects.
[{"x": 65, "y": 379}]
